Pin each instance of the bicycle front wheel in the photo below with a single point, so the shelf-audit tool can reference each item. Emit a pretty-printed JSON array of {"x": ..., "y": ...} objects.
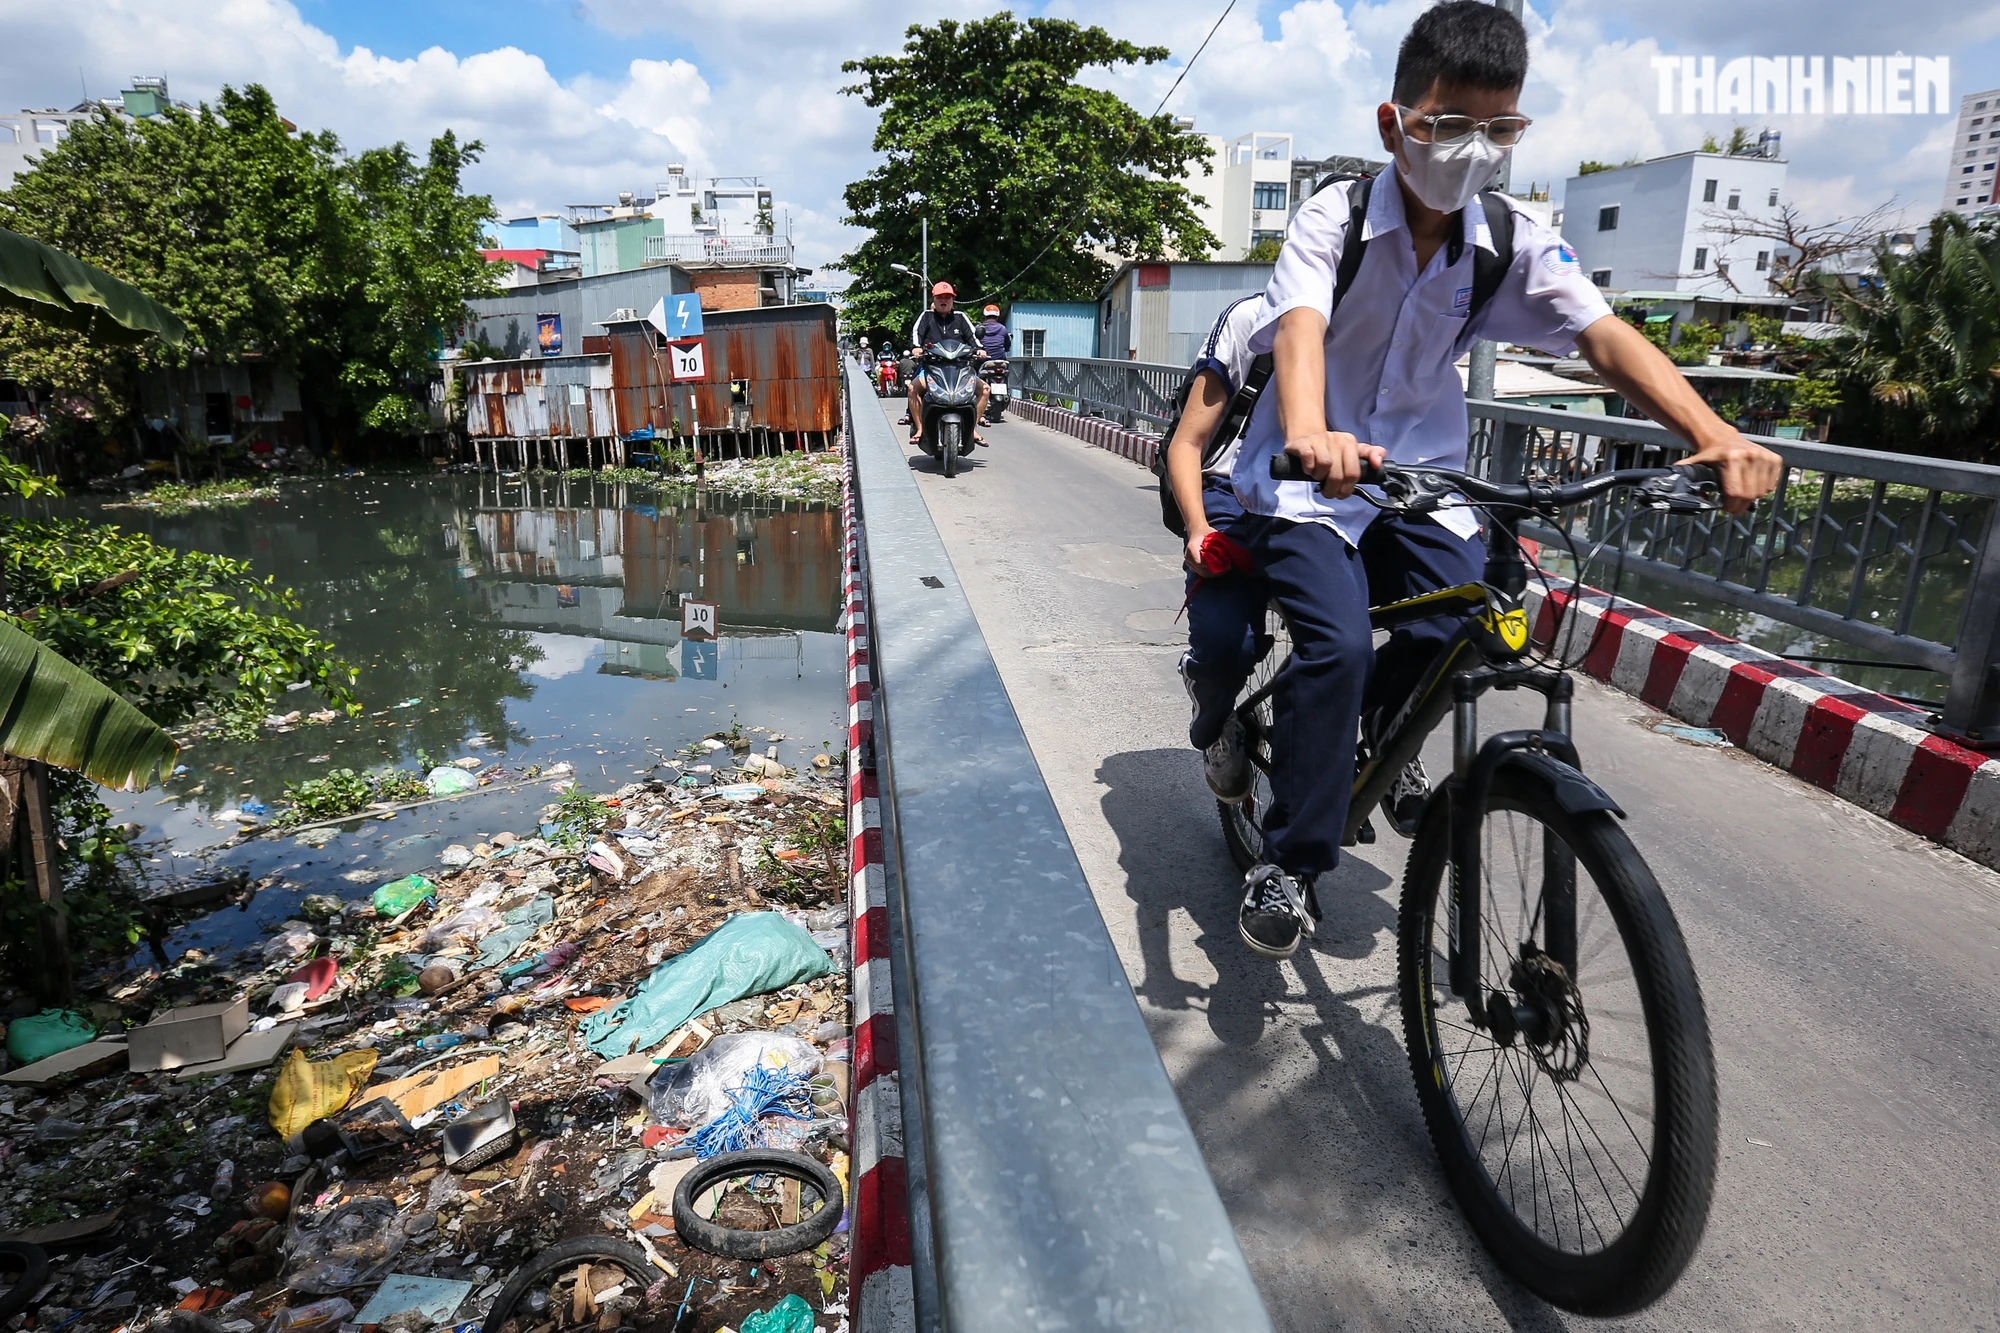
[{"x": 1576, "y": 1122}]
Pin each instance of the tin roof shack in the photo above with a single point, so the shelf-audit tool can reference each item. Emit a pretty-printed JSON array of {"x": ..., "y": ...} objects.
[
  {"x": 248, "y": 406},
  {"x": 540, "y": 405},
  {"x": 572, "y": 309},
  {"x": 768, "y": 374}
]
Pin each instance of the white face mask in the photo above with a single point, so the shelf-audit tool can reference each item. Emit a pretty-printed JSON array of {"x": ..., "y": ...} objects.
[{"x": 1448, "y": 176}]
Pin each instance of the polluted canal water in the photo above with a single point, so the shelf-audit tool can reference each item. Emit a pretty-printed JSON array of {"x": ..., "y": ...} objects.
[
  {"x": 565, "y": 1053},
  {"x": 520, "y": 622}
]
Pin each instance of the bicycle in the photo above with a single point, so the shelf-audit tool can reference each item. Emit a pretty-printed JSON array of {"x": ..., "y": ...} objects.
[{"x": 1574, "y": 1107}]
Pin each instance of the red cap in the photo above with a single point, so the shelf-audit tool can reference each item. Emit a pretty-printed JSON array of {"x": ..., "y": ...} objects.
[{"x": 942, "y": 289}]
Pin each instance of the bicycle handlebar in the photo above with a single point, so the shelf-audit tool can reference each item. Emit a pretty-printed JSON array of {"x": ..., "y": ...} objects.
[{"x": 1685, "y": 487}]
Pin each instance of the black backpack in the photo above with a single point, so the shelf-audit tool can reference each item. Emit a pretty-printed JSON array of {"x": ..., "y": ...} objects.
[{"x": 1488, "y": 269}]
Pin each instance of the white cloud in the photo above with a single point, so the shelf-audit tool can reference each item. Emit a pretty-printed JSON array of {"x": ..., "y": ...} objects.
[{"x": 562, "y": 655}]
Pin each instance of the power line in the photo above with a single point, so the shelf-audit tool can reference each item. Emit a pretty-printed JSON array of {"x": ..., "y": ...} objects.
[{"x": 1003, "y": 288}]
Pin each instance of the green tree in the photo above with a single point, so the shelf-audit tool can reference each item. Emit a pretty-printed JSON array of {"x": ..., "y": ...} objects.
[
  {"x": 271, "y": 244},
  {"x": 1263, "y": 252},
  {"x": 1920, "y": 369},
  {"x": 1020, "y": 168}
]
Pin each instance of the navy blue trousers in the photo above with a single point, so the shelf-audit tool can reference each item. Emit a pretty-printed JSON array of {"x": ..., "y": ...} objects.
[{"x": 1324, "y": 587}]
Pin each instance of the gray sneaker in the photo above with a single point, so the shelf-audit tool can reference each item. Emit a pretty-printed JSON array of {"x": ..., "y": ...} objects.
[
  {"x": 1278, "y": 910},
  {"x": 1226, "y": 764}
]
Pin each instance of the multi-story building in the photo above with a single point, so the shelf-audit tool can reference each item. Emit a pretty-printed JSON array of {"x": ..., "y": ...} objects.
[
  {"x": 723, "y": 233},
  {"x": 26, "y": 135},
  {"x": 1246, "y": 197},
  {"x": 1675, "y": 224},
  {"x": 1975, "y": 151}
]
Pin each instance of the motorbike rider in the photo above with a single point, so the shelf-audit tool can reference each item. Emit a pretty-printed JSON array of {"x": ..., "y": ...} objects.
[
  {"x": 937, "y": 324},
  {"x": 994, "y": 336}
]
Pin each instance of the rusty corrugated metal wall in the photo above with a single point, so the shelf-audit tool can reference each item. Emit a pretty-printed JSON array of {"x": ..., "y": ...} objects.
[
  {"x": 788, "y": 355},
  {"x": 568, "y": 397},
  {"x": 774, "y": 570}
]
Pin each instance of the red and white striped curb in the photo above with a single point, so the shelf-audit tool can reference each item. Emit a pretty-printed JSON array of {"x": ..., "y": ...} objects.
[
  {"x": 1861, "y": 746},
  {"x": 879, "y": 1287},
  {"x": 1091, "y": 430}
]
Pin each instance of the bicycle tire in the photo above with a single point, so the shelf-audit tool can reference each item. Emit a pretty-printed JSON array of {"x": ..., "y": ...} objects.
[
  {"x": 948, "y": 447},
  {"x": 704, "y": 1234},
  {"x": 1646, "y": 1258},
  {"x": 33, "y": 1265},
  {"x": 1243, "y": 822},
  {"x": 566, "y": 1254}
]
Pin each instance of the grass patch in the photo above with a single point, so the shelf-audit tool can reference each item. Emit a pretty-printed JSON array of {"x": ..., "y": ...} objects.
[
  {"x": 345, "y": 792},
  {"x": 578, "y": 817},
  {"x": 174, "y": 497}
]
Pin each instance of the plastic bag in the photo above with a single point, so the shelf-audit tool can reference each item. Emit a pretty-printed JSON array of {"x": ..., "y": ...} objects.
[
  {"x": 400, "y": 895},
  {"x": 304, "y": 1092},
  {"x": 449, "y": 781},
  {"x": 51, "y": 1032},
  {"x": 354, "y": 1244},
  {"x": 698, "y": 1089},
  {"x": 288, "y": 945},
  {"x": 462, "y": 927},
  {"x": 791, "y": 1315},
  {"x": 749, "y": 954}
]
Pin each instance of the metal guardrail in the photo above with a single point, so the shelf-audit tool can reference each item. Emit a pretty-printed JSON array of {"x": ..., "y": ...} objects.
[
  {"x": 1895, "y": 554},
  {"x": 1138, "y": 395},
  {"x": 1050, "y": 1158}
]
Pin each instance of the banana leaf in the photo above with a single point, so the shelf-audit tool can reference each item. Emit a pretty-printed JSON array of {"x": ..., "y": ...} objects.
[
  {"x": 61, "y": 289},
  {"x": 55, "y": 711}
]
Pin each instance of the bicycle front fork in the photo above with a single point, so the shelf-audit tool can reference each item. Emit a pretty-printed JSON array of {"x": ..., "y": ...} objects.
[{"x": 1474, "y": 764}]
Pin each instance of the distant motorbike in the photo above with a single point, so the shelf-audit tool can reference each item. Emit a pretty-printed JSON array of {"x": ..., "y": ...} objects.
[
  {"x": 994, "y": 372},
  {"x": 885, "y": 379},
  {"x": 951, "y": 386}
]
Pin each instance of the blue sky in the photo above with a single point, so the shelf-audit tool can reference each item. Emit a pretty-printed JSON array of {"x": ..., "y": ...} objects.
[{"x": 579, "y": 99}]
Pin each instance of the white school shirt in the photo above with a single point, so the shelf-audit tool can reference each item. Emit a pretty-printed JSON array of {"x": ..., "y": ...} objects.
[
  {"x": 1390, "y": 350},
  {"x": 1230, "y": 357}
]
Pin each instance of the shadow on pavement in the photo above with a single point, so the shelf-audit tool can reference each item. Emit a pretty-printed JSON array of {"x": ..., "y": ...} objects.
[{"x": 1318, "y": 1150}]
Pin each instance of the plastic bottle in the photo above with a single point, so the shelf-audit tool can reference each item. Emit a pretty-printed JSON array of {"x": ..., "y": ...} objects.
[
  {"x": 225, "y": 1182},
  {"x": 440, "y": 1041},
  {"x": 314, "y": 1318}
]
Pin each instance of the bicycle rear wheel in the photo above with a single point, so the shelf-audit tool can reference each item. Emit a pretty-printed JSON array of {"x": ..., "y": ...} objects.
[
  {"x": 1243, "y": 822},
  {"x": 1577, "y": 1125}
]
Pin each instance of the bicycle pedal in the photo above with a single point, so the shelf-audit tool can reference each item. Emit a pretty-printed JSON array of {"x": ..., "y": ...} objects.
[{"x": 1365, "y": 835}]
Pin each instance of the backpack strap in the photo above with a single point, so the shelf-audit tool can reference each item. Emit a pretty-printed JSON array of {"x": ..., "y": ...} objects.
[
  {"x": 1490, "y": 267},
  {"x": 1259, "y": 373}
]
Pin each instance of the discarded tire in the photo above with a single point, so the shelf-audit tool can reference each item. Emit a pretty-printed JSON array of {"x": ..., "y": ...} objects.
[
  {"x": 559, "y": 1258},
  {"x": 25, "y": 1268},
  {"x": 704, "y": 1234}
]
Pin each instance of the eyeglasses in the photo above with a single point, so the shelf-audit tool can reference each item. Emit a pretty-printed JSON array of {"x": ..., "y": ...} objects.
[{"x": 1500, "y": 131}]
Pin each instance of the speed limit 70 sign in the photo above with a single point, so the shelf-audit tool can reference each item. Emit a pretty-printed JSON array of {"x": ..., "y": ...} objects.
[{"x": 688, "y": 361}]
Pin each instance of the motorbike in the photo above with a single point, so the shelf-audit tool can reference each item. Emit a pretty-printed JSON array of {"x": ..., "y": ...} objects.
[
  {"x": 951, "y": 386},
  {"x": 885, "y": 378},
  {"x": 994, "y": 372}
]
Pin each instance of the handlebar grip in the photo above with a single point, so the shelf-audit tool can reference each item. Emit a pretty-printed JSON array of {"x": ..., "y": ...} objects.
[
  {"x": 1699, "y": 474},
  {"x": 1285, "y": 467}
]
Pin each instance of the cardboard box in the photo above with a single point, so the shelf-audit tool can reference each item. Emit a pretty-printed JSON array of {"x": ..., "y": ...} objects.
[{"x": 190, "y": 1036}]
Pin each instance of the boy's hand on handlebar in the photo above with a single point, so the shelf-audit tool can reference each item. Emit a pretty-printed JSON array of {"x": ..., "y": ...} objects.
[
  {"x": 1749, "y": 472},
  {"x": 1333, "y": 459}
]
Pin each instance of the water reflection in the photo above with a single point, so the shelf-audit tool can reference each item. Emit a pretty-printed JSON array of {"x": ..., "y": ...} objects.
[{"x": 520, "y": 620}]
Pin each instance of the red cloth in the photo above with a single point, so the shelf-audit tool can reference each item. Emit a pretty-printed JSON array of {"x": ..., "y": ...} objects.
[{"x": 1221, "y": 554}]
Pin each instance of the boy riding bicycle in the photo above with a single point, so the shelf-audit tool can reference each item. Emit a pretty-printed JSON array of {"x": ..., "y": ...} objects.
[{"x": 1375, "y": 380}]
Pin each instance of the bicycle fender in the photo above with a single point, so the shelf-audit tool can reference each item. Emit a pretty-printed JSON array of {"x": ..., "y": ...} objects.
[{"x": 1574, "y": 792}]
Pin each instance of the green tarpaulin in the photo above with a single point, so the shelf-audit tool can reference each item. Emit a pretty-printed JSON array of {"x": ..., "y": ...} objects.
[{"x": 63, "y": 290}]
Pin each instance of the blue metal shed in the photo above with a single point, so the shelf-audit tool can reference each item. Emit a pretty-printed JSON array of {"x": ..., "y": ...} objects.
[{"x": 1054, "y": 328}]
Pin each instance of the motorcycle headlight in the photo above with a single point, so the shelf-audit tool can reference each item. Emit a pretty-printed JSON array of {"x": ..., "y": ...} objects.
[{"x": 959, "y": 396}]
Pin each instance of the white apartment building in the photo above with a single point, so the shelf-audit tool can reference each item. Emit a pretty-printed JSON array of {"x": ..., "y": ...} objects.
[
  {"x": 1247, "y": 197},
  {"x": 1975, "y": 150},
  {"x": 26, "y": 135},
  {"x": 1659, "y": 226}
]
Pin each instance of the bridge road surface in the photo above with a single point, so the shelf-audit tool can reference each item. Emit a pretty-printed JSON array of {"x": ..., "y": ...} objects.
[{"x": 1851, "y": 970}]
